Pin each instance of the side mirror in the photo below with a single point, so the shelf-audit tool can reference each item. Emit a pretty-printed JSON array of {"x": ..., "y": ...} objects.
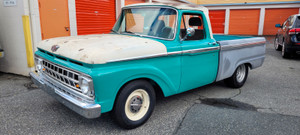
[
  {"x": 189, "y": 32},
  {"x": 278, "y": 26}
]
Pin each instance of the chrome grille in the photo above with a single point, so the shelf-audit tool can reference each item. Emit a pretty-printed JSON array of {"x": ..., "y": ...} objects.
[{"x": 62, "y": 75}]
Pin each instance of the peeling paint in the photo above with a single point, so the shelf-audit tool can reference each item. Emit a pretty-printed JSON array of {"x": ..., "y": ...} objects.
[{"x": 99, "y": 49}]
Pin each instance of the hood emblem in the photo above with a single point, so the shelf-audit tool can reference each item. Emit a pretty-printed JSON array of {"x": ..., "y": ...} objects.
[{"x": 54, "y": 48}]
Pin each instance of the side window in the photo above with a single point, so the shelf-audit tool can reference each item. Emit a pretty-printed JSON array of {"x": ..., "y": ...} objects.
[
  {"x": 284, "y": 24},
  {"x": 195, "y": 21},
  {"x": 292, "y": 20},
  {"x": 289, "y": 21}
]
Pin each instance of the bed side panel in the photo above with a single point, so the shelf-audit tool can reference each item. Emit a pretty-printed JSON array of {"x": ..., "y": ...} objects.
[{"x": 236, "y": 52}]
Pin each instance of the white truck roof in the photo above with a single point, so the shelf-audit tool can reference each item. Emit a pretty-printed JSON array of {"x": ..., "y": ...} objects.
[{"x": 175, "y": 5}]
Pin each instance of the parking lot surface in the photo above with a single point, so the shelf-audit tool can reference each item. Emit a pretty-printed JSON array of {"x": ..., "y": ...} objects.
[{"x": 270, "y": 91}]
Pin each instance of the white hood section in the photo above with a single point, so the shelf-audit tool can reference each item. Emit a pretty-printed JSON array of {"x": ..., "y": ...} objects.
[{"x": 99, "y": 49}]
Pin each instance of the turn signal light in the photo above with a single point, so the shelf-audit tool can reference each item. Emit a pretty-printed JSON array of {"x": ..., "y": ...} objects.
[{"x": 294, "y": 31}]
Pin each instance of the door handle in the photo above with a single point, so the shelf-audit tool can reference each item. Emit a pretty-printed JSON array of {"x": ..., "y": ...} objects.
[
  {"x": 67, "y": 28},
  {"x": 213, "y": 43}
]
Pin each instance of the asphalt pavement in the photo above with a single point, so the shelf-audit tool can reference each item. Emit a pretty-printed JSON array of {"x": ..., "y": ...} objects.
[
  {"x": 268, "y": 103},
  {"x": 208, "y": 120}
]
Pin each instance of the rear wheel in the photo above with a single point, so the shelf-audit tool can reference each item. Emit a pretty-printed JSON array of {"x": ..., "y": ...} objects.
[
  {"x": 134, "y": 104},
  {"x": 284, "y": 53},
  {"x": 276, "y": 44},
  {"x": 238, "y": 78}
]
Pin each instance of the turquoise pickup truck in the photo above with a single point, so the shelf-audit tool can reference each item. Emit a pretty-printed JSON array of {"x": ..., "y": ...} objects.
[{"x": 152, "y": 49}]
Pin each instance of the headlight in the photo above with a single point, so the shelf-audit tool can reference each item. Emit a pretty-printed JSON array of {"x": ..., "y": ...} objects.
[
  {"x": 38, "y": 64},
  {"x": 86, "y": 86}
]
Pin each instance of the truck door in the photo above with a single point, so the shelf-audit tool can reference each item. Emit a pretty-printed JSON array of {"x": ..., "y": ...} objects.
[{"x": 200, "y": 53}]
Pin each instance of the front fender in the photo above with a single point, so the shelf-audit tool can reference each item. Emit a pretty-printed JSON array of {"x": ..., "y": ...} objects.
[{"x": 108, "y": 82}]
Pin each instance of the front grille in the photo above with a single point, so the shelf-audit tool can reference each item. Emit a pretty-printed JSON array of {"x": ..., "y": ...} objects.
[{"x": 62, "y": 75}]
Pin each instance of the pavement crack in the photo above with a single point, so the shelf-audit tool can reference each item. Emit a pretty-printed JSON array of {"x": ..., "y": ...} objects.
[
  {"x": 240, "y": 91},
  {"x": 181, "y": 121}
]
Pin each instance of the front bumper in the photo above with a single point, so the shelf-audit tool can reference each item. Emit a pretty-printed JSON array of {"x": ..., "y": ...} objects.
[
  {"x": 87, "y": 110},
  {"x": 293, "y": 48}
]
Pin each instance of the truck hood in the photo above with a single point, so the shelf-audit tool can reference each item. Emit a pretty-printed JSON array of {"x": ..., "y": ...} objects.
[{"x": 99, "y": 49}]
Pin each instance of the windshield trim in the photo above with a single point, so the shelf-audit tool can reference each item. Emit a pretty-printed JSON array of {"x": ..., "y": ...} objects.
[{"x": 141, "y": 35}]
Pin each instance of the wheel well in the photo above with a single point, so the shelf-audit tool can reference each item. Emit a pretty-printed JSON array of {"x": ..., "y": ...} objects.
[
  {"x": 248, "y": 65},
  {"x": 158, "y": 91}
]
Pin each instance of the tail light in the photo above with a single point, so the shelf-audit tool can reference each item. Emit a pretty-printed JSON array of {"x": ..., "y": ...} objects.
[{"x": 294, "y": 31}]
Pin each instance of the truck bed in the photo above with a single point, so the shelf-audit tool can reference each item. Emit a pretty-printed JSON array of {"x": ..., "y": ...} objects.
[{"x": 237, "y": 50}]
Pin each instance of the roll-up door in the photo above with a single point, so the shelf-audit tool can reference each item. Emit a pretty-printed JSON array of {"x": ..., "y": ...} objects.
[
  {"x": 95, "y": 16},
  {"x": 244, "y": 21},
  {"x": 217, "y": 20},
  {"x": 276, "y": 16},
  {"x": 129, "y": 2}
]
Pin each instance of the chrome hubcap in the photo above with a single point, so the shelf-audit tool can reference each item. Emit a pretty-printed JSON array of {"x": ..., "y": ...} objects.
[
  {"x": 241, "y": 73},
  {"x": 136, "y": 104}
]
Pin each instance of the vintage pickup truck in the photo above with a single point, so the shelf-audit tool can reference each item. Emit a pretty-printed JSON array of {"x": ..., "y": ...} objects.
[{"x": 152, "y": 49}]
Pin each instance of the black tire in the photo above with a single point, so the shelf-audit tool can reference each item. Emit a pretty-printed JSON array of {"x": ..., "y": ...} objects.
[
  {"x": 284, "y": 52},
  {"x": 237, "y": 80},
  {"x": 276, "y": 44},
  {"x": 137, "y": 106}
]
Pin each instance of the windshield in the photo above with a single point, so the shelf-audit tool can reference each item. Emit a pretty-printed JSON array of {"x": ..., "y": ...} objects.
[{"x": 155, "y": 22}]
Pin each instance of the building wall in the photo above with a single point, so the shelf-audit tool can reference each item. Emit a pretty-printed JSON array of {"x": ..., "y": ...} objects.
[
  {"x": 12, "y": 38},
  {"x": 236, "y": 1},
  {"x": 128, "y": 2},
  {"x": 193, "y": 1},
  {"x": 263, "y": 8}
]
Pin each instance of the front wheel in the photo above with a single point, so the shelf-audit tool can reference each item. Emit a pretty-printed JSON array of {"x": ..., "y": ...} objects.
[
  {"x": 238, "y": 78},
  {"x": 134, "y": 104}
]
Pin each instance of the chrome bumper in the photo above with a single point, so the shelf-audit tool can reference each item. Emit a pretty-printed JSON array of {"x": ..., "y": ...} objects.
[{"x": 87, "y": 110}]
